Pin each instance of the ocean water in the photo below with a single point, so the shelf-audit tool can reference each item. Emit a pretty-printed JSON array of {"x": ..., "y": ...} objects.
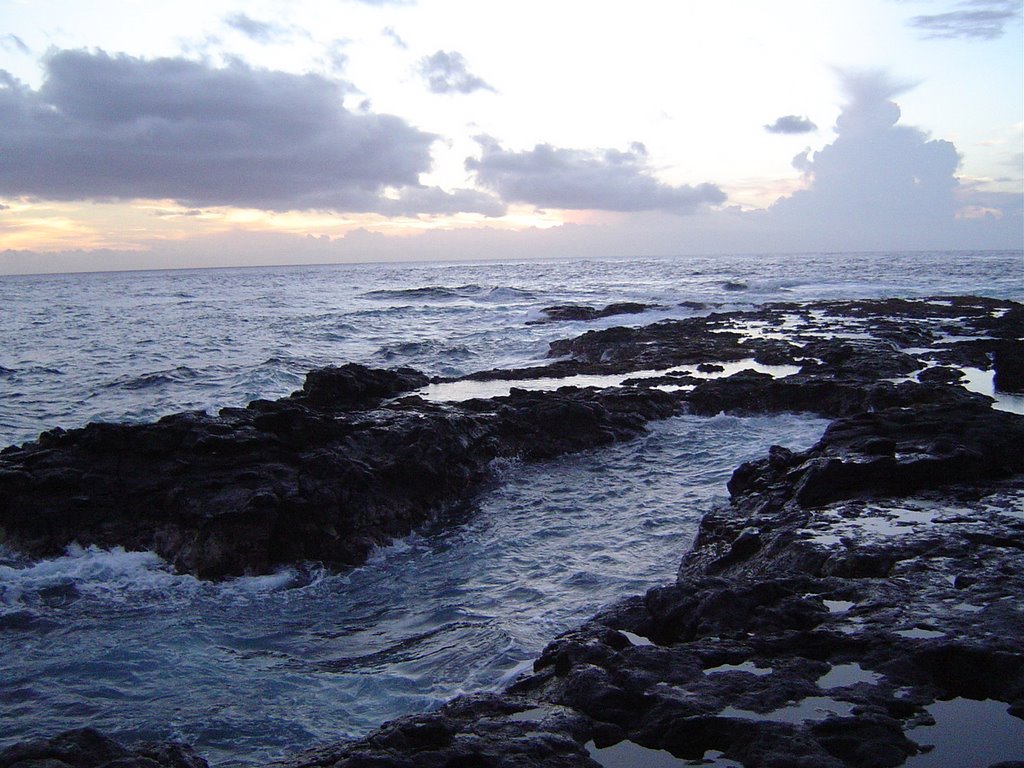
[{"x": 255, "y": 668}]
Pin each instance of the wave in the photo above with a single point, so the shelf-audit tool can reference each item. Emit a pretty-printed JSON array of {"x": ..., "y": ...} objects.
[
  {"x": 442, "y": 293},
  {"x": 177, "y": 375},
  {"x": 432, "y": 349},
  {"x": 426, "y": 292},
  {"x": 119, "y": 575},
  {"x": 80, "y": 571}
]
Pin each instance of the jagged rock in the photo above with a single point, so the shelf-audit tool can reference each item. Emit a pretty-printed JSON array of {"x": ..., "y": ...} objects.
[
  {"x": 356, "y": 386},
  {"x": 840, "y": 592},
  {"x": 320, "y": 475},
  {"x": 585, "y": 312},
  {"x": 87, "y": 748},
  {"x": 1008, "y": 362},
  {"x": 893, "y": 452}
]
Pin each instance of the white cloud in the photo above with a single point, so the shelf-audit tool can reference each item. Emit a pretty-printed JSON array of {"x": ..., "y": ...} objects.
[
  {"x": 876, "y": 174},
  {"x": 609, "y": 180}
]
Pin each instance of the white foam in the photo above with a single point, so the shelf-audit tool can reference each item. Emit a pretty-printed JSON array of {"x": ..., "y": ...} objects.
[
  {"x": 89, "y": 570},
  {"x": 117, "y": 575}
]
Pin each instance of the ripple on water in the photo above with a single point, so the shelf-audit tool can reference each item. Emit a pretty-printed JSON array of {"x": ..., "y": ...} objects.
[{"x": 251, "y": 667}]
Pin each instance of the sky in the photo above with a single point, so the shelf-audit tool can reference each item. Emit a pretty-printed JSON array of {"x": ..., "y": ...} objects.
[{"x": 137, "y": 134}]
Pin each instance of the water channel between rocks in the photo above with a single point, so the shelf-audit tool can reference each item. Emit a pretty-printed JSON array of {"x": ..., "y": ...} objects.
[{"x": 254, "y": 668}]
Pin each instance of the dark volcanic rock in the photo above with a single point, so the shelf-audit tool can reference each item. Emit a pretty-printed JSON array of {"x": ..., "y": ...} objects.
[
  {"x": 1008, "y": 362},
  {"x": 541, "y": 425},
  {"x": 318, "y": 476},
  {"x": 842, "y": 591},
  {"x": 585, "y": 312},
  {"x": 749, "y": 392},
  {"x": 893, "y": 452},
  {"x": 242, "y": 492},
  {"x": 86, "y": 748},
  {"x": 660, "y": 345},
  {"x": 356, "y": 386}
]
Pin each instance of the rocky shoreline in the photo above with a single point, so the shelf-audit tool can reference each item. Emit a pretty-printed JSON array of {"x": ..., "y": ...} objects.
[{"x": 819, "y": 620}]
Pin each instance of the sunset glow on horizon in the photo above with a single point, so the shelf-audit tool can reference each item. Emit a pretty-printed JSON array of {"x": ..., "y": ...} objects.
[{"x": 668, "y": 127}]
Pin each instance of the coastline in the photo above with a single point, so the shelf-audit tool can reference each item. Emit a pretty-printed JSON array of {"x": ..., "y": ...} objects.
[{"x": 756, "y": 587}]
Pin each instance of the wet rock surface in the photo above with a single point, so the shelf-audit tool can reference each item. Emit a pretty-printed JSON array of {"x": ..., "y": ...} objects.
[
  {"x": 816, "y": 621},
  {"x": 87, "y": 748},
  {"x": 794, "y": 636},
  {"x": 325, "y": 474},
  {"x": 586, "y": 312},
  {"x": 823, "y": 618}
]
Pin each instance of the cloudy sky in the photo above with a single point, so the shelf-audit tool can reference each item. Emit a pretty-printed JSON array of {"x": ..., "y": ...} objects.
[{"x": 140, "y": 134}]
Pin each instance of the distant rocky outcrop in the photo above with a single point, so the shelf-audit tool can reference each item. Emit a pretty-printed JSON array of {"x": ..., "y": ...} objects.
[{"x": 585, "y": 312}]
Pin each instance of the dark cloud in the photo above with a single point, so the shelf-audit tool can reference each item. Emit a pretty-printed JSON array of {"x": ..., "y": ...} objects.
[
  {"x": 610, "y": 180},
  {"x": 877, "y": 174},
  {"x": 977, "y": 19},
  {"x": 258, "y": 31},
  {"x": 791, "y": 124},
  {"x": 14, "y": 43},
  {"x": 446, "y": 72},
  {"x": 118, "y": 127}
]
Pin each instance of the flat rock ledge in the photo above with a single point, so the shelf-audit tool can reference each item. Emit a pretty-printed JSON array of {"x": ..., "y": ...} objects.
[{"x": 846, "y": 605}]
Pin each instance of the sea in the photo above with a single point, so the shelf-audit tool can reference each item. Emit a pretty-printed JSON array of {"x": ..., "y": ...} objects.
[{"x": 255, "y": 668}]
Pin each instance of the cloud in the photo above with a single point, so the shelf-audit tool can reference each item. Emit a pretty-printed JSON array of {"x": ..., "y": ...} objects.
[
  {"x": 416, "y": 200},
  {"x": 877, "y": 176},
  {"x": 14, "y": 43},
  {"x": 255, "y": 30},
  {"x": 446, "y": 72},
  {"x": 610, "y": 180},
  {"x": 336, "y": 55},
  {"x": 389, "y": 32},
  {"x": 791, "y": 124},
  {"x": 107, "y": 127},
  {"x": 976, "y": 19}
]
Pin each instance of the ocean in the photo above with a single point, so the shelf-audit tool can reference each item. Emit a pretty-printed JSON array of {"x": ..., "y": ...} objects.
[{"x": 254, "y": 668}]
